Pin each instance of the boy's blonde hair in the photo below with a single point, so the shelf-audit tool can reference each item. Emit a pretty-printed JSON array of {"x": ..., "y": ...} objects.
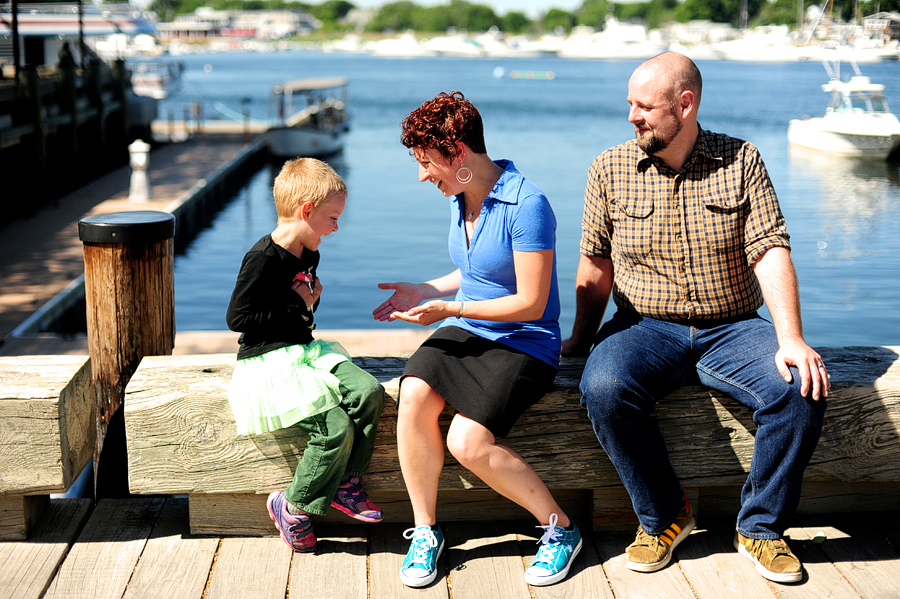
[{"x": 305, "y": 180}]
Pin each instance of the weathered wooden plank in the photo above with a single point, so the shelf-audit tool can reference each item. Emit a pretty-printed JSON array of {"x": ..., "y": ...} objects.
[
  {"x": 484, "y": 561},
  {"x": 821, "y": 580},
  {"x": 387, "y": 548},
  {"x": 715, "y": 569},
  {"x": 860, "y": 551},
  {"x": 816, "y": 498},
  {"x": 46, "y": 422},
  {"x": 251, "y": 569},
  {"x": 173, "y": 564},
  {"x": 710, "y": 436},
  {"x": 103, "y": 558},
  {"x": 26, "y": 568},
  {"x": 246, "y": 513},
  {"x": 586, "y": 576},
  {"x": 337, "y": 570},
  {"x": 668, "y": 583},
  {"x": 19, "y": 514}
]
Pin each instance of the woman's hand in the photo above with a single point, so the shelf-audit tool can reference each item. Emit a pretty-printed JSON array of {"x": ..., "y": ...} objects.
[
  {"x": 309, "y": 297},
  {"x": 428, "y": 313},
  {"x": 405, "y": 297}
]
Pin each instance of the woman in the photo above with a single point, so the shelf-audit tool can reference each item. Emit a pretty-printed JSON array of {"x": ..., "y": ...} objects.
[{"x": 497, "y": 350}]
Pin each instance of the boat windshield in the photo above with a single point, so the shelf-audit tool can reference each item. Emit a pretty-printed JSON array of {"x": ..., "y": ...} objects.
[{"x": 859, "y": 103}]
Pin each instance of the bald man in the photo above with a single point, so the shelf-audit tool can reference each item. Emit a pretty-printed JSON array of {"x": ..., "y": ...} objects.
[{"x": 683, "y": 227}]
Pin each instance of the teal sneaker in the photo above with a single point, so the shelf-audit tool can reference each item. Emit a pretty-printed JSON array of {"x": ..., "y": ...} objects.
[
  {"x": 558, "y": 550},
  {"x": 419, "y": 569}
]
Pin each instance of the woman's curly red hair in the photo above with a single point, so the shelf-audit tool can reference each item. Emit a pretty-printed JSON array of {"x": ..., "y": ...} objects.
[{"x": 443, "y": 121}]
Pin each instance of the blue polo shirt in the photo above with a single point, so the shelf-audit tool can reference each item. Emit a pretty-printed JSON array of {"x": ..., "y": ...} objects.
[{"x": 515, "y": 216}]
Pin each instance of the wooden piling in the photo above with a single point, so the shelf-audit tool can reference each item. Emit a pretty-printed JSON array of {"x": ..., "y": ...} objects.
[{"x": 129, "y": 273}]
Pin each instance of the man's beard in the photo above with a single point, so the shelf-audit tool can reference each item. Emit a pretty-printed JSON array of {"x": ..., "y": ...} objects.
[{"x": 659, "y": 141}]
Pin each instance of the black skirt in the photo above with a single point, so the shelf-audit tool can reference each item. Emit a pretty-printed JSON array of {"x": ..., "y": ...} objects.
[{"x": 485, "y": 381}]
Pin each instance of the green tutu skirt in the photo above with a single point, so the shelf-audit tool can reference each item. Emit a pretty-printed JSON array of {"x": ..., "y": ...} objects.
[{"x": 281, "y": 387}]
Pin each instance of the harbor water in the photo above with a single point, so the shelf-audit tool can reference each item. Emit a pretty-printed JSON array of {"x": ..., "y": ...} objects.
[{"x": 843, "y": 214}]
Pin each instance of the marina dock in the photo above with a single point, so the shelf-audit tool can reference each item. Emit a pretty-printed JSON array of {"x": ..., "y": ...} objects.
[{"x": 142, "y": 546}]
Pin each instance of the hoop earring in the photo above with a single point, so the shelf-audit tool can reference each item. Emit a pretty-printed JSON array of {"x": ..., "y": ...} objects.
[{"x": 465, "y": 178}]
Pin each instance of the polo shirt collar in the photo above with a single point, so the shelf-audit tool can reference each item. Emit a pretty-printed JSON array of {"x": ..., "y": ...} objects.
[{"x": 508, "y": 178}]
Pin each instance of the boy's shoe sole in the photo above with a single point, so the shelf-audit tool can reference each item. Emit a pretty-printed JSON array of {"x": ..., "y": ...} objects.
[{"x": 354, "y": 515}]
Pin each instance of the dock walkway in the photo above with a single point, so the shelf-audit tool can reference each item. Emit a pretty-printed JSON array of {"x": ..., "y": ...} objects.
[{"x": 142, "y": 547}]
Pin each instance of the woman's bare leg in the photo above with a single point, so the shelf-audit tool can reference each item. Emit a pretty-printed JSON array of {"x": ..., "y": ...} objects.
[
  {"x": 420, "y": 446},
  {"x": 502, "y": 469}
]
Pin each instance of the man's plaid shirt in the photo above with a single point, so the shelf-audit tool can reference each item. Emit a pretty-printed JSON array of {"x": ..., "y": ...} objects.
[{"x": 683, "y": 244}]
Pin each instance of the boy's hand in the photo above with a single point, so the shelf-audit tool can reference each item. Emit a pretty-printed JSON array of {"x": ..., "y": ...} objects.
[{"x": 310, "y": 290}]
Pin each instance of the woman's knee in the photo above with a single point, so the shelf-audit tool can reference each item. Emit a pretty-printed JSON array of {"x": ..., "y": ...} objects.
[
  {"x": 418, "y": 400},
  {"x": 467, "y": 441}
]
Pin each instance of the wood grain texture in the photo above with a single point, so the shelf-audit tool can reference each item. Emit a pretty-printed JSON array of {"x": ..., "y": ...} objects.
[
  {"x": 248, "y": 568},
  {"x": 172, "y": 563},
  {"x": 106, "y": 552},
  {"x": 26, "y": 568},
  {"x": 181, "y": 435},
  {"x": 19, "y": 514},
  {"x": 484, "y": 561},
  {"x": 337, "y": 570},
  {"x": 130, "y": 295},
  {"x": 46, "y": 422}
]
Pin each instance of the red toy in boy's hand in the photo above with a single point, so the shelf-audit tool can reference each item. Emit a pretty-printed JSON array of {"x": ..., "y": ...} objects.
[{"x": 303, "y": 277}]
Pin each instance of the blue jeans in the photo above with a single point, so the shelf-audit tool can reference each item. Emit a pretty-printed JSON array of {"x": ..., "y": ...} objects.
[{"x": 637, "y": 361}]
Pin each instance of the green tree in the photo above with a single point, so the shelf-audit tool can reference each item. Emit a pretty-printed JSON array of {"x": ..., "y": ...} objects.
[
  {"x": 777, "y": 12},
  {"x": 165, "y": 9},
  {"x": 395, "y": 16},
  {"x": 515, "y": 22},
  {"x": 874, "y": 6},
  {"x": 330, "y": 11},
  {"x": 718, "y": 11},
  {"x": 655, "y": 13},
  {"x": 592, "y": 13},
  {"x": 556, "y": 17}
]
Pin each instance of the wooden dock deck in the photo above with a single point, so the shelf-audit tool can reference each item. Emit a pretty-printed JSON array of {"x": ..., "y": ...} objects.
[{"x": 141, "y": 548}]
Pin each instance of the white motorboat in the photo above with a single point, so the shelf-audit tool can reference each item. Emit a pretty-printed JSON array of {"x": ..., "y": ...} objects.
[
  {"x": 158, "y": 79},
  {"x": 857, "y": 121},
  {"x": 311, "y": 118},
  {"x": 617, "y": 40}
]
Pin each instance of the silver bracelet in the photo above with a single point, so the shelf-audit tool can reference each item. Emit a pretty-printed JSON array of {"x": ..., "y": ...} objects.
[{"x": 461, "y": 304}]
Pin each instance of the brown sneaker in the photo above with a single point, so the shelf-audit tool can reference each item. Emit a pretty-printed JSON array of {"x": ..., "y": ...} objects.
[
  {"x": 650, "y": 553},
  {"x": 773, "y": 558}
]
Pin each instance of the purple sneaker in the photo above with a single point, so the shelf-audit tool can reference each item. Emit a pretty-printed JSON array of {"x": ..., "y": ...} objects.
[
  {"x": 296, "y": 530},
  {"x": 353, "y": 501}
]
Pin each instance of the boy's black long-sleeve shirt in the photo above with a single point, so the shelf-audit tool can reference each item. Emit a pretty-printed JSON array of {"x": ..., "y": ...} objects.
[{"x": 263, "y": 307}]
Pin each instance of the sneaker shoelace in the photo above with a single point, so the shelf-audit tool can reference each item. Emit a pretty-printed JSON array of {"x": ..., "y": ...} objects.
[
  {"x": 423, "y": 541},
  {"x": 778, "y": 548},
  {"x": 550, "y": 538},
  {"x": 652, "y": 542}
]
